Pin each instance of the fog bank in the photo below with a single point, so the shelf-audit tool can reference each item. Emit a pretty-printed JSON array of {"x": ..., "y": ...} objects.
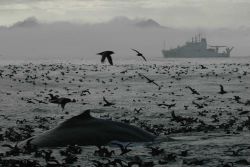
[{"x": 32, "y": 39}]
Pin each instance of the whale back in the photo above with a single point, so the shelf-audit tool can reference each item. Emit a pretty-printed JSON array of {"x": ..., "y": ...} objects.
[{"x": 84, "y": 129}]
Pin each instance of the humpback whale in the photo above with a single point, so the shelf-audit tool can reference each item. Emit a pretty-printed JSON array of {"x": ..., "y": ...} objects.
[{"x": 84, "y": 130}]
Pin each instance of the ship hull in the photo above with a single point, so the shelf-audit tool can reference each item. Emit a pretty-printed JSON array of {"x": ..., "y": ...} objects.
[{"x": 201, "y": 54}]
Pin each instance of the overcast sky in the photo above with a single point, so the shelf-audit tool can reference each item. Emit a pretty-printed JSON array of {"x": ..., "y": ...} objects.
[{"x": 172, "y": 13}]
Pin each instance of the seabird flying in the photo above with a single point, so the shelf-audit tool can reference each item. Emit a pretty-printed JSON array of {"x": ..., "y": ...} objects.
[
  {"x": 139, "y": 54},
  {"x": 106, "y": 54}
]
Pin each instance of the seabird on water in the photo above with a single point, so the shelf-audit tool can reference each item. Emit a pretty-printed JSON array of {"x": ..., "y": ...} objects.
[
  {"x": 60, "y": 100},
  {"x": 222, "y": 91},
  {"x": 107, "y": 103}
]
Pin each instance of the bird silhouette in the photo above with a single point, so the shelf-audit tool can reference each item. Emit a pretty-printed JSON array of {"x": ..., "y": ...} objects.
[
  {"x": 235, "y": 152},
  {"x": 197, "y": 105},
  {"x": 167, "y": 105},
  {"x": 150, "y": 80},
  {"x": 139, "y": 54},
  {"x": 85, "y": 91},
  {"x": 203, "y": 67},
  {"x": 60, "y": 100},
  {"x": 107, "y": 103},
  {"x": 156, "y": 151},
  {"x": 193, "y": 90},
  {"x": 222, "y": 91},
  {"x": 106, "y": 54},
  {"x": 124, "y": 149},
  {"x": 53, "y": 97}
]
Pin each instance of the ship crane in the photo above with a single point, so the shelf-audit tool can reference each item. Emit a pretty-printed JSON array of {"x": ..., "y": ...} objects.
[
  {"x": 228, "y": 50},
  {"x": 217, "y": 47}
]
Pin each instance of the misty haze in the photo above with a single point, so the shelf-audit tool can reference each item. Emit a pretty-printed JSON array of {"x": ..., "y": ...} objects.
[
  {"x": 31, "y": 39},
  {"x": 124, "y": 83}
]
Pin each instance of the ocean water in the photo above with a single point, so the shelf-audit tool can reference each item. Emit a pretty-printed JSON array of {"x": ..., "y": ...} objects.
[
  {"x": 122, "y": 60},
  {"x": 205, "y": 147}
]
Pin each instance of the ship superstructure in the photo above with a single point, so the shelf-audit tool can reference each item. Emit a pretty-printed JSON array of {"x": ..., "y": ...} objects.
[{"x": 198, "y": 47}]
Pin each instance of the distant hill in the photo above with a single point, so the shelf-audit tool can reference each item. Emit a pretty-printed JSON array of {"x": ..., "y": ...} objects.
[
  {"x": 143, "y": 23},
  {"x": 148, "y": 23},
  {"x": 29, "y": 22},
  {"x": 117, "y": 21}
]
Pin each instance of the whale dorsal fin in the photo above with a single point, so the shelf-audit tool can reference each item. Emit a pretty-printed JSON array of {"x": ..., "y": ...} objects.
[
  {"x": 85, "y": 115},
  {"x": 76, "y": 120}
]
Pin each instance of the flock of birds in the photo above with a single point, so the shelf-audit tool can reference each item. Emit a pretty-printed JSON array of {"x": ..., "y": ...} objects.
[{"x": 168, "y": 100}]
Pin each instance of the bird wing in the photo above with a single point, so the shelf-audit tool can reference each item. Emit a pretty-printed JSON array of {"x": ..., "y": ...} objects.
[
  {"x": 7, "y": 145},
  {"x": 108, "y": 52},
  {"x": 63, "y": 105},
  {"x": 128, "y": 145},
  {"x": 146, "y": 78},
  {"x": 221, "y": 88},
  {"x": 142, "y": 75},
  {"x": 136, "y": 51},
  {"x": 101, "y": 53},
  {"x": 155, "y": 83},
  {"x": 143, "y": 57},
  {"x": 51, "y": 96},
  {"x": 104, "y": 99},
  {"x": 103, "y": 59},
  {"x": 110, "y": 59},
  {"x": 119, "y": 145},
  {"x": 149, "y": 80},
  {"x": 64, "y": 99}
]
